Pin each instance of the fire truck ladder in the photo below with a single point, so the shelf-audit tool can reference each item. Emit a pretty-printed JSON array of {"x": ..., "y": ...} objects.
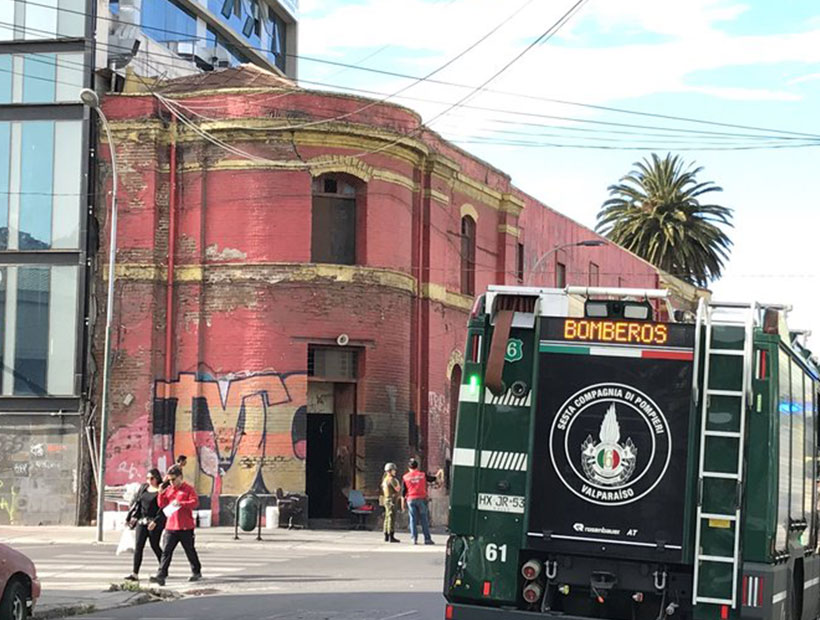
[{"x": 727, "y": 382}]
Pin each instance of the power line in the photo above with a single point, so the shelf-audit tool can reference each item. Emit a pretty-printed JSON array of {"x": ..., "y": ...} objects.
[
  {"x": 188, "y": 36},
  {"x": 545, "y": 36},
  {"x": 522, "y": 143},
  {"x": 439, "y": 69},
  {"x": 764, "y": 142},
  {"x": 51, "y": 61}
]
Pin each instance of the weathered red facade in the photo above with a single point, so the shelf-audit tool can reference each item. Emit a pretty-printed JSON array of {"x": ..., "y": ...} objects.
[{"x": 235, "y": 391}]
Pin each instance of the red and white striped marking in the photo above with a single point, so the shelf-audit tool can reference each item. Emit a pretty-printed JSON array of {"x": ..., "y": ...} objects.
[{"x": 752, "y": 591}]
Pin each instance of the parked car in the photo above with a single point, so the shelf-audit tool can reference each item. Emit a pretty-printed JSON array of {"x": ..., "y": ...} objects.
[{"x": 18, "y": 583}]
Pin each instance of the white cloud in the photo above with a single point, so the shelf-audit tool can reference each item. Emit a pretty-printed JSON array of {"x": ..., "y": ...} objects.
[
  {"x": 430, "y": 33},
  {"x": 811, "y": 77}
]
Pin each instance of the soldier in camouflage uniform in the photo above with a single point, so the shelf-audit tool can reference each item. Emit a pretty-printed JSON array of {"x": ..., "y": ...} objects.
[{"x": 391, "y": 491}]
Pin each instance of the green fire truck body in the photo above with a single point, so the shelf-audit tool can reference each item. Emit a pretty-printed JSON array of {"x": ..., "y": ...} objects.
[{"x": 610, "y": 465}]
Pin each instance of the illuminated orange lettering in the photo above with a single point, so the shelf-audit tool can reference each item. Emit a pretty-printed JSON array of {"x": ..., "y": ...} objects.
[{"x": 615, "y": 331}]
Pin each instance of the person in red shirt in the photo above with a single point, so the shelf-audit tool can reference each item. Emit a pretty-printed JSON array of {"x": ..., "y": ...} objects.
[
  {"x": 178, "y": 499},
  {"x": 414, "y": 499}
]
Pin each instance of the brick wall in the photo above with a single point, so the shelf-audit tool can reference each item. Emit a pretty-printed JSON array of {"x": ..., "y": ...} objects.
[{"x": 247, "y": 302}]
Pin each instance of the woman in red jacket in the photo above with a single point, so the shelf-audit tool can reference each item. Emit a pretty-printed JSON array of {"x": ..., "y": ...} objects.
[{"x": 178, "y": 499}]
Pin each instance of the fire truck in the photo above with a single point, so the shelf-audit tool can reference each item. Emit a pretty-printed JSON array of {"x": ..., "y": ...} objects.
[{"x": 617, "y": 458}]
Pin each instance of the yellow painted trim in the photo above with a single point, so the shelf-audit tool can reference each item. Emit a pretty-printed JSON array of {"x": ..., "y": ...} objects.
[
  {"x": 459, "y": 301},
  {"x": 361, "y": 171},
  {"x": 509, "y": 230},
  {"x": 406, "y": 149},
  {"x": 442, "y": 167},
  {"x": 437, "y": 196},
  {"x": 388, "y": 176},
  {"x": 341, "y": 163},
  {"x": 456, "y": 359},
  {"x": 438, "y": 293},
  {"x": 434, "y": 292},
  {"x": 237, "y": 164},
  {"x": 478, "y": 191},
  {"x": 270, "y": 273},
  {"x": 468, "y": 209},
  {"x": 275, "y": 273},
  {"x": 512, "y": 204}
]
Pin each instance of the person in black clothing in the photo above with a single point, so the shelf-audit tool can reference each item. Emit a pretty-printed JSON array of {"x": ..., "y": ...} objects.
[{"x": 147, "y": 519}]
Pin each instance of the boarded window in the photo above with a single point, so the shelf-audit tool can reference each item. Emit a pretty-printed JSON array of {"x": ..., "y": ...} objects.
[
  {"x": 467, "y": 255},
  {"x": 560, "y": 275},
  {"x": 332, "y": 363},
  {"x": 333, "y": 232}
]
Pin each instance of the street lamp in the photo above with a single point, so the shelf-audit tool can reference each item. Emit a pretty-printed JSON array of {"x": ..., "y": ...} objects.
[
  {"x": 90, "y": 98},
  {"x": 588, "y": 243}
]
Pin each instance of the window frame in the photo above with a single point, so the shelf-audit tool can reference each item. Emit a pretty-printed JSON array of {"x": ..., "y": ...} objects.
[
  {"x": 468, "y": 234},
  {"x": 358, "y": 216},
  {"x": 519, "y": 262},
  {"x": 594, "y": 274}
]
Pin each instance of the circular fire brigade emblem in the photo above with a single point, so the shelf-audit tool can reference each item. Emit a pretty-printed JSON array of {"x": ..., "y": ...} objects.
[{"x": 610, "y": 444}]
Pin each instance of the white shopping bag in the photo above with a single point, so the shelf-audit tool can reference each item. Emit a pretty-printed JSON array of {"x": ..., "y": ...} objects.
[{"x": 128, "y": 541}]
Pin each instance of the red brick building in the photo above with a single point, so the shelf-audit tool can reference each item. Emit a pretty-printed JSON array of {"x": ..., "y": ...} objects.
[{"x": 317, "y": 254}]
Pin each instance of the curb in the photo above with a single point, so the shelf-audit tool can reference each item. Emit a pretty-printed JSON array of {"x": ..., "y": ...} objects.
[
  {"x": 63, "y": 612},
  {"x": 140, "y": 597}
]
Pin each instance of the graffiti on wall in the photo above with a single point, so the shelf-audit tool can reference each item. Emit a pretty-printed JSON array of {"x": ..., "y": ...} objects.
[
  {"x": 239, "y": 432},
  {"x": 38, "y": 473}
]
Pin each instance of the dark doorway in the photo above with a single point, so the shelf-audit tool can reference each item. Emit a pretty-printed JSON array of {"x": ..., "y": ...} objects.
[{"x": 319, "y": 465}]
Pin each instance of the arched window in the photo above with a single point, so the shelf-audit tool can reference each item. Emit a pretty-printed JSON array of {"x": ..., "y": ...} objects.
[
  {"x": 333, "y": 223},
  {"x": 467, "y": 255}
]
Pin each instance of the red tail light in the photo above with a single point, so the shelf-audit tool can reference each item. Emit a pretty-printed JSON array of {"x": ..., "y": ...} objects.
[
  {"x": 724, "y": 612},
  {"x": 532, "y": 593},
  {"x": 487, "y": 588},
  {"x": 531, "y": 569},
  {"x": 475, "y": 349},
  {"x": 448, "y": 612}
]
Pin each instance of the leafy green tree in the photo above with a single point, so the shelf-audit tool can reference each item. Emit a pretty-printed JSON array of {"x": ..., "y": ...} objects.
[{"x": 656, "y": 212}]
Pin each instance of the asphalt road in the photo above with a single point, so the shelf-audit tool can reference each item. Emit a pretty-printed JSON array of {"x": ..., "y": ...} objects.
[
  {"x": 294, "y": 579},
  {"x": 330, "y": 606}
]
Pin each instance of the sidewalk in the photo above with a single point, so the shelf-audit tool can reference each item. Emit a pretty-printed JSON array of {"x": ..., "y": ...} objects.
[
  {"x": 222, "y": 537},
  {"x": 78, "y": 574}
]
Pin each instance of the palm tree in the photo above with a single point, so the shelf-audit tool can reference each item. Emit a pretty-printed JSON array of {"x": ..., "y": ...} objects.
[{"x": 655, "y": 212}]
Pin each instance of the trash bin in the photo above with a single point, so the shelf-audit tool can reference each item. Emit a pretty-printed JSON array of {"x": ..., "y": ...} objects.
[
  {"x": 248, "y": 513},
  {"x": 271, "y": 517}
]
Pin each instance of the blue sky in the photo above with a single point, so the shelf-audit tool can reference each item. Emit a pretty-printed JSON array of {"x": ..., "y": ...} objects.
[{"x": 745, "y": 62}]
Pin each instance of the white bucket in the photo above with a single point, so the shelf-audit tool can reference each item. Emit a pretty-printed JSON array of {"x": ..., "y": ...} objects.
[
  {"x": 203, "y": 518},
  {"x": 271, "y": 517}
]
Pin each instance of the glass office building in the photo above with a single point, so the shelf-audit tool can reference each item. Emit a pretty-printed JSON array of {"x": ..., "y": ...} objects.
[
  {"x": 45, "y": 60},
  {"x": 219, "y": 33}
]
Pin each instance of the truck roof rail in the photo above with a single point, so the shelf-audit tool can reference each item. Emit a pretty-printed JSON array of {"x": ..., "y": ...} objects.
[{"x": 646, "y": 293}]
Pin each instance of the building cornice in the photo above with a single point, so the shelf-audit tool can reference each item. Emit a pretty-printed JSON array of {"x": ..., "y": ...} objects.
[{"x": 290, "y": 273}]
